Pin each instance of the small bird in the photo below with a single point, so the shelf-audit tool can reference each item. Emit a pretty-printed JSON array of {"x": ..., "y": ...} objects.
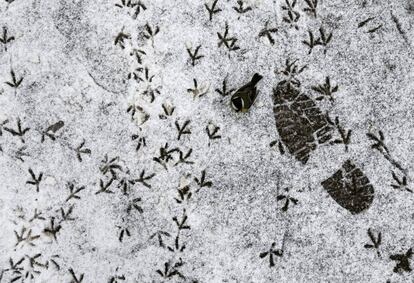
[{"x": 245, "y": 96}]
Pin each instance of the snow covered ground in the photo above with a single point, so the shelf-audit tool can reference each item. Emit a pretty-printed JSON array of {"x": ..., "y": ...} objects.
[{"x": 121, "y": 159}]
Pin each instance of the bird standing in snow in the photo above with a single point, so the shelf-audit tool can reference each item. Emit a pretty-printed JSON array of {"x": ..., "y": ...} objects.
[{"x": 244, "y": 97}]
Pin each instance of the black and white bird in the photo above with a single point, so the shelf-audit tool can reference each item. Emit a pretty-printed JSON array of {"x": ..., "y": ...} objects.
[{"x": 244, "y": 97}]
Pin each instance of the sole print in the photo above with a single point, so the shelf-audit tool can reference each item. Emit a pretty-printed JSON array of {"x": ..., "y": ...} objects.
[
  {"x": 350, "y": 188},
  {"x": 300, "y": 123},
  {"x": 302, "y": 126}
]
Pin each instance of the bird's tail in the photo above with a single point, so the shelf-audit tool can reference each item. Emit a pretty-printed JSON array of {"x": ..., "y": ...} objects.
[{"x": 256, "y": 78}]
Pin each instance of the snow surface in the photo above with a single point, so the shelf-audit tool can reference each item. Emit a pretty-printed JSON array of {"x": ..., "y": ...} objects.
[{"x": 74, "y": 72}]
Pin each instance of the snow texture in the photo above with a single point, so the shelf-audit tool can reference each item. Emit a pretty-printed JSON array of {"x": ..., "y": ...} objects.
[{"x": 121, "y": 159}]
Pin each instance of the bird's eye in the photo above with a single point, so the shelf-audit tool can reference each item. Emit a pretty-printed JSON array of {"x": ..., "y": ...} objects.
[{"x": 237, "y": 103}]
